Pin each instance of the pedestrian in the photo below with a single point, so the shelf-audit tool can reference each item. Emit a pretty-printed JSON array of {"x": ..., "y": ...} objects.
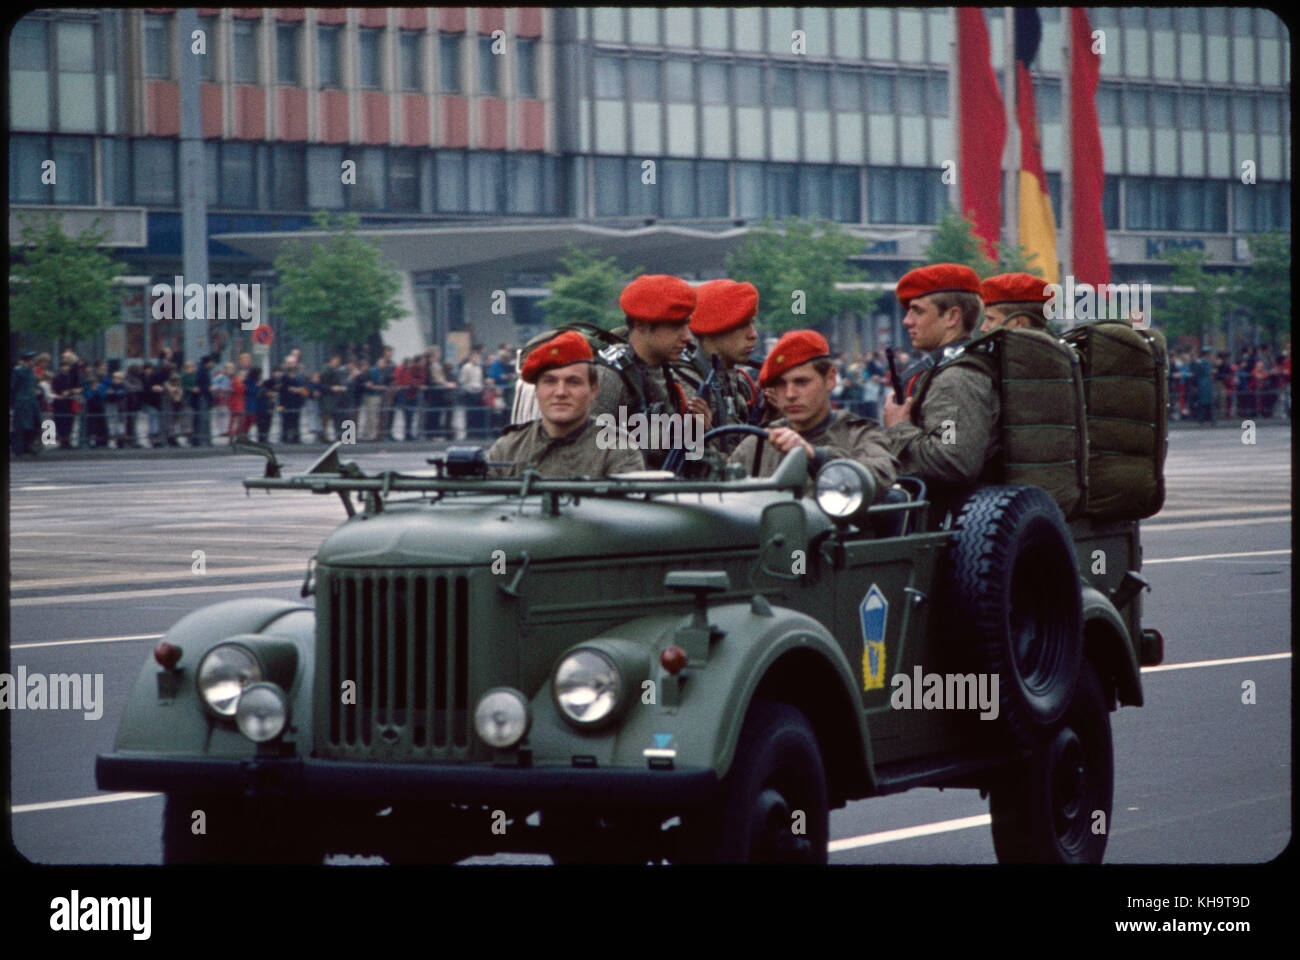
[
  {"x": 469, "y": 397},
  {"x": 94, "y": 392},
  {"x": 268, "y": 401},
  {"x": 373, "y": 390},
  {"x": 333, "y": 390},
  {"x": 173, "y": 404},
  {"x": 201, "y": 401},
  {"x": 439, "y": 393},
  {"x": 311, "y": 420},
  {"x": 114, "y": 390},
  {"x": 24, "y": 400},
  {"x": 65, "y": 386},
  {"x": 293, "y": 393},
  {"x": 238, "y": 404},
  {"x": 1202, "y": 379}
]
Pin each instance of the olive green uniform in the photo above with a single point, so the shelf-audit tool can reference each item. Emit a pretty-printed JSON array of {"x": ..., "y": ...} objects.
[
  {"x": 574, "y": 455},
  {"x": 840, "y": 435},
  {"x": 952, "y": 436},
  {"x": 613, "y": 392},
  {"x": 735, "y": 391}
]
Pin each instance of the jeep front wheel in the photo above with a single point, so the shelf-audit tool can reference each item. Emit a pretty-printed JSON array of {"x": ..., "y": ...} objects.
[
  {"x": 1055, "y": 807},
  {"x": 774, "y": 804}
]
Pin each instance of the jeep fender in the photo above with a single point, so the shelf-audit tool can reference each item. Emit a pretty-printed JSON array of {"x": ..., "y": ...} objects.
[
  {"x": 181, "y": 725},
  {"x": 1107, "y": 645},
  {"x": 783, "y": 655}
]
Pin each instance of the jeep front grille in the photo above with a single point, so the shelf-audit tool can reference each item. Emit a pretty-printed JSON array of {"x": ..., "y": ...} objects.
[{"x": 403, "y": 639}]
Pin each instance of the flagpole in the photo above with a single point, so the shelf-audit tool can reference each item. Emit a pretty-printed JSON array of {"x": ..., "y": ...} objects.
[
  {"x": 1066, "y": 245},
  {"x": 1011, "y": 156},
  {"x": 954, "y": 109}
]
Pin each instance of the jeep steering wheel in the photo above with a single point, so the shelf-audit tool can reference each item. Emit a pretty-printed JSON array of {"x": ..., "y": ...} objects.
[{"x": 680, "y": 461}]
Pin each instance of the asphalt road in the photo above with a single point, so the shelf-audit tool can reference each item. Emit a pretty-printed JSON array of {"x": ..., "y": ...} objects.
[{"x": 103, "y": 552}]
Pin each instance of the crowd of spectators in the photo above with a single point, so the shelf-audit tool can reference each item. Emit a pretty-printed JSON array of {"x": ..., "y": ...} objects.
[
  {"x": 168, "y": 401},
  {"x": 1257, "y": 384}
]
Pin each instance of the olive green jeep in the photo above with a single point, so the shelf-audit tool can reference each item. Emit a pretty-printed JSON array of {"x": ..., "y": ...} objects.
[{"x": 643, "y": 668}]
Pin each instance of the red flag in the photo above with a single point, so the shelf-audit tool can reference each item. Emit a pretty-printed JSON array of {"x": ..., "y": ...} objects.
[
  {"x": 1091, "y": 263},
  {"x": 982, "y": 126}
]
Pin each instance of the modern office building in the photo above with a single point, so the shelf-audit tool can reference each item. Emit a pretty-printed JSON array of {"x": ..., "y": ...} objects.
[{"x": 486, "y": 140}]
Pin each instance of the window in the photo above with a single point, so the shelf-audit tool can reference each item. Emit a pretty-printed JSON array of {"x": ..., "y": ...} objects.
[
  {"x": 1135, "y": 108},
  {"x": 157, "y": 46},
  {"x": 525, "y": 179},
  {"x": 1047, "y": 98},
  {"x": 782, "y": 190},
  {"x": 749, "y": 190},
  {"x": 244, "y": 36},
  {"x": 154, "y": 172},
  {"x": 526, "y": 64},
  {"x": 1217, "y": 111},
  {"x": 449, "y": 62},
  {"x": 286, "y": 52},
  {"x": 846, "y": 91},
  {"x": 680, "y": 26},
  {"x": 748, "y": 91},
  {"x": 880, "y": 93},
  {"x": 1243, "y": 113},
  {"x": 643, "y": 79},
  {"x": 208, "y": 61},
  {"x": 452, "y": 197},
  {"x": 846, "y": 195},
  {"x": 489, "y": 68},
  {"x": 816, "y": 90},
  {"x": 1216, "y": 21},
  {"x": 911, "y": 95},
  {"x": 403, "y": 180},
  {"x": 609, "y": 78},
  {"x": 679, "y": 81},
  {"x": 330, "y": 74},
  {"x": 1189, "y": 19},
  {"x": 712, "y": 188},
  {"x": 76, "y": 79},
  {"x": 29, "y": 63},
  {"x": 679, "y": 189},
  {"x": 238, "y": 176},
  {"x": 412, "y": 66},
  {"x": 1107, "y": 106},
  {"x": 324, "y": 187},
  {"x": 714, "y": 28},
  {"x": 1192, "y": 116},
  {"x": 937, "y": 94},
  {"x": 815, "y": 192},
  {"x": 611, "y": 187},
  {"x": 369, "y": 48},
  {"x": 486, "y": 177},
  {"x": 1241, "y": 22},
  {"x": 782, "y": 80},
  {"x": 26, "y": 154},
  {"x": 288, "y": 176},
  {"x": 1270, "y": 113},
  {"x": 713, "y": 83},
  {"x": 75, "y": 159},
  {"x": 643, "y": 25},
  {"x": 1162, "y": 109},
  {"x": 369, "y": 190}
]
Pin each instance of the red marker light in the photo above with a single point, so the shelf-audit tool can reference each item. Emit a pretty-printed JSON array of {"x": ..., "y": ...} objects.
[
  {"x": 673, "y": 659},
  {"x": 167, "y": 655}
]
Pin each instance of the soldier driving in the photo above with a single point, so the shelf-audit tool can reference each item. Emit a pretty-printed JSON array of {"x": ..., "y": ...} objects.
[
  {"x": 944, "y": 431},
  {"x": 800, "y": 375},
  {"x": 562, "y": 442},
  {"x": 1013, "y": 300},
  {"x": 723, "y": 323},
  {"x": 635, "y": 376}
]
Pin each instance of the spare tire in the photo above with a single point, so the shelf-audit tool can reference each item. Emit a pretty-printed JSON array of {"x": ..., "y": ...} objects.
[{"x": 1015, "y": 600}]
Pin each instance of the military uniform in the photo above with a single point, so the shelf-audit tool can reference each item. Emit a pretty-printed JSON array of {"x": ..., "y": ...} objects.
[
  {"x": 625, "y": 380},
  {"x": 840, "y": 435},
  {"x": 576, "y": 454},
  {"x": 735, "y": 390},
  {"x": 949, "y": 393}
]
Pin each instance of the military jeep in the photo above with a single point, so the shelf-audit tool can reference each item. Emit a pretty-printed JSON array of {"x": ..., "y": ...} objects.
[{"x": 643, "y": 668}]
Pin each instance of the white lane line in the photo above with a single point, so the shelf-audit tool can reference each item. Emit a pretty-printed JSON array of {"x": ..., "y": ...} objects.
[
  {"x": 80, "y": 802},
  {"x": 1216, "y": 663},
  {"x": 61, "y": 643},
  {"x": 907, "y": 833},
  {"x": 1209, "y": 524},
  {"x": 1217, "y": 556},
  {"x": 155, "y": 575},
  {"x": 131, "y": 594},
  {"x": 1260, "y": 593},
  {"x": 1202, "y": 511}
]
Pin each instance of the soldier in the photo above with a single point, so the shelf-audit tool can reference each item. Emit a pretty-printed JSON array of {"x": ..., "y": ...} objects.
[
  {"x": 634, "y": 376},
  {"x": 800, "y": 375},
  {"x": 1014, "y": 300},
  {"x": 24, "y": 398},
  {"x": 564, "y": 441},
  {"x": 945, "y": 431},
  {"x": 723, "y": 322}
]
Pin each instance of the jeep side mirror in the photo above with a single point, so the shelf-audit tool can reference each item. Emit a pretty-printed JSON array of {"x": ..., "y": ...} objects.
[{"x": 782, "y": 531}]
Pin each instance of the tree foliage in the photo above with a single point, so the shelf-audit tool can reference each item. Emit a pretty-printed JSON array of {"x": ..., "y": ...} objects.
[
  {"x": 586, "y": 290},
  {"x": 1198, "y": 311},
  {"x": 1016, "y": 259},
  {"x": 955, "y": 241},
  {"x": 1263, "y": 289},
  {"x": 62, "y": 287},
  {"x": 795, "y": 268},
  {"x": 338, "y": 291}
]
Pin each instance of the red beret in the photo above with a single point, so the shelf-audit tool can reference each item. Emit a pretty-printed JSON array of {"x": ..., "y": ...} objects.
[
  {"x": 793, "y": 349},
  {"x": 1011, "y": 287},
  {"x": 560, "y": 351},
  {"x": 657, "y": 298},
  {"x": 937, "y": 278},
  {"x": 722, "y": 305}
]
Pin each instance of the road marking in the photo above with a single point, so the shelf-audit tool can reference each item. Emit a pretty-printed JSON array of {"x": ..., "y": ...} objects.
[
  {"x": 1208, "y": 524},
  {"x": 1202, "y": 511},
  {"x": 154, "y": 575},
  {"x": 907, "y": 833},
  {"x": 80, "y": 802},
  {"x": 60, "y": 643},
  {"x": 1216, "y": 663},
  {"x": 1218, "y": 556},
  {"x": 1260, "y": 593},
  {"x": 133, "y": 594}
]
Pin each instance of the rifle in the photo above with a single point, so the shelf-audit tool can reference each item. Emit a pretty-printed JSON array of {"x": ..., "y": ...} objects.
[{"x": 894, "y": 377}]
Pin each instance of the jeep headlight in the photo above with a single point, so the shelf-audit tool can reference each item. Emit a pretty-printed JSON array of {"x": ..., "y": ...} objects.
[
  {"x": 263, "y": 712},
  {"x": 223, "y": 673},
  {"x": 844, "y": 489},
  {"x": 587, "y": 686},
  {"x": 501, "y": 718}
]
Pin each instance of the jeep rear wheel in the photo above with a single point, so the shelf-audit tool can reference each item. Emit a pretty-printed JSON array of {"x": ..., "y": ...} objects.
[
  {"x": 1044, "y": 810},
  {"x": 774, "y": 803},
  {"x": 264, "y": 831},
  {"x": 1014, "y": 583}
]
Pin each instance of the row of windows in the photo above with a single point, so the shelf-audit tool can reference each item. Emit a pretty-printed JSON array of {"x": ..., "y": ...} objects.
[
  {"x": 60, "y": 79},
  {"x": 296, "y": 177},
  {"x": 246, "y": 61}
]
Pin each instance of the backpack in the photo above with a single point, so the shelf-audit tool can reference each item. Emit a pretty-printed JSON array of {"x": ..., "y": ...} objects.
[
  {"x": 1042, "y": 428},
  {"x": 1126, "y": 395}
]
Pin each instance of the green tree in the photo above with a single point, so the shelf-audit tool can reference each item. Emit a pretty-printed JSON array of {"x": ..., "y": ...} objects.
[
  {"x": 795, "y": 268},
  {"x": 586, "y": 290},
  {"x": 955, "y": 241},
  {"x": 1197, "y": 311},
  {"x": 339, "y": 291},
  {"x": 61, "y": 287},
  {"x": 1263, "y": 289},
  {"x": 1016, "y": 259}
]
